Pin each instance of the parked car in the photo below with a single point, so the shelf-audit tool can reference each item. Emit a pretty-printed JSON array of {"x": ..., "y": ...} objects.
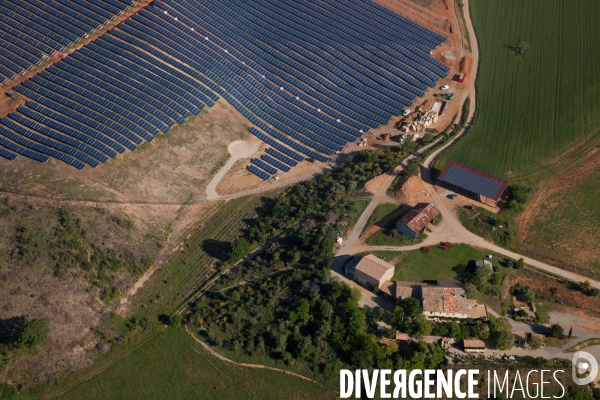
[
  {"x": 445, "y": 87},
  {"x": 406, "y": 112}
]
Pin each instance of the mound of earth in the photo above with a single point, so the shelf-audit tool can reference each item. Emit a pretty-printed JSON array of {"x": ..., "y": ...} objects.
[{"x": 412, "y": 190}]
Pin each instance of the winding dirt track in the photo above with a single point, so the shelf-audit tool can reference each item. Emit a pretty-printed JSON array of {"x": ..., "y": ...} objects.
[{"x": 258, "y": 366}]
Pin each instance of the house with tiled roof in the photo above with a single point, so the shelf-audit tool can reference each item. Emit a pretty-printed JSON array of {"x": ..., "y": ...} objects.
[
  {"x": 416, "y": 219},
  {"x": 450, "y": 302},
  {"x": 370, "y": 269}
]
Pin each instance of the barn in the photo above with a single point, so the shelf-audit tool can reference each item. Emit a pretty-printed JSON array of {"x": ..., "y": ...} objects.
[{"x": 471, "y": 182}]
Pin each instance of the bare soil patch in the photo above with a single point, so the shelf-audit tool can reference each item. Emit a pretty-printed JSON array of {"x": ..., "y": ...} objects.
[
  {"x": 34, "y": 282},
  {"x": 561, "y": 220},
  {"x": 166, "y": 171}
]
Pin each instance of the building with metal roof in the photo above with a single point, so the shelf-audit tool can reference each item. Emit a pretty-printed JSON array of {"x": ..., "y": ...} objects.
[{"x": 472, "y": 181}]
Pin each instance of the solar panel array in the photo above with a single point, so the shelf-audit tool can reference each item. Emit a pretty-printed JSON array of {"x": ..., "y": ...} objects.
[
  {"x": 31, "y": 32},
  {"x": 303, "y": 74}
]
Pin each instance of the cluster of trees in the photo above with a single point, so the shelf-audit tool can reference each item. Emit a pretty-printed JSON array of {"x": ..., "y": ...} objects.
[
  {"x": 302, "y": 316},
  {"x": 408, "y": 317},
  {"x": 519, "y": 194},
  {"x": 296, "y": 312},
  {"x": 523, "y": 290},
  {"x": 482, "y": 280},
  {"x": 501, "y": 333},
  {"x": 23, "y": 338}
]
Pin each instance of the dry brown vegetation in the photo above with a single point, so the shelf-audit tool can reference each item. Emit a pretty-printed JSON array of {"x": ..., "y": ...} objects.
[
  {"x": 165, "y": 171},
  {"x": 69, "y": 263}
]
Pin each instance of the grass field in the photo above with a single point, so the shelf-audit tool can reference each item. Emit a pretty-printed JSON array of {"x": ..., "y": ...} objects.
[
  {"x": 533, "y": 109},
  {"x": 566, "y": 226},
  {"x": 173, "y": 366},
  {"x": 380, "y": 212},
  {"x": 196, "y": 261},
  {"x": 417, "y": 266}
]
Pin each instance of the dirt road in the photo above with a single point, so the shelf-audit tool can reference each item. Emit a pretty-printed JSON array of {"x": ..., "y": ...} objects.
[
  {"x": 239, "y": 149},
  {"x": 451, "y": 230}
]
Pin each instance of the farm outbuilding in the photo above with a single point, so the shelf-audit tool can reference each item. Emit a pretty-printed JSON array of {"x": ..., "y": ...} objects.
[
  {"x": 416, "y": 220},
  {"x": 369, "y": 269},
  {"x": 471, "y": 182}
]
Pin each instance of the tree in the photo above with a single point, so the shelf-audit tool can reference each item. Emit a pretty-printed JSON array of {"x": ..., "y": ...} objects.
[
  {"x": 504, "y": 340},
  {"x": 556, "y": 331},
  {"x": 515, "y": 206},
  {"x": 176, "y": 321},
  {"x": 501, "y": 333},
  {"x": 534, "y": 342},
  {"x": 240, "y": 248},
  {"x": 521, "y": 313},
  {"x": 413, "y": 169},
  {"x": 412, "y": 307},
  {"x": 301, "y": 313},
  {"x": 529, "y": 294},
  {"x": 33, "y": 335},
  {"x": 481, "y": 331},
  {"x": 585, "y": 286},
  {"x": 520, "y": 263},
  {"x": 397, "y": 317}
]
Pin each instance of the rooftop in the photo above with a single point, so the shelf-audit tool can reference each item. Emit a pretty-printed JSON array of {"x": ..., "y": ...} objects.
[
  {"x": 419, "y": 216},
  {"x": 446, "y": 300},
  {"x": 408, "y": 289},
  {"x": 473, "y": 180},
  {"x": 473, "y": 344},
  {"x": 373, "y": 266}
]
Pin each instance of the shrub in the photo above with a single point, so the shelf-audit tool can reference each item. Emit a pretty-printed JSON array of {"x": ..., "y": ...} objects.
[
  {"x": 556, "y": 331},
  {"x": 240, "y": 248}
]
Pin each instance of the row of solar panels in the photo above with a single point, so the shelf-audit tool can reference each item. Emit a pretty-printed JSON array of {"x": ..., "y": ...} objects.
[
  {"x": 325, "y": 69},
  {"x": 71, "y": 86},
  {"x": 319, "y": 99},
  {"x": 30, "y": 29},
  {"x": 333, "y": 33},
  {"x": 319, "y": 33},
  {"x": 266, "y": 64},
  {"x": 223, "y": 75},
  {"x": 326, "y": 151},
  {"x": 390, "y": 19},
  {"x": 371, "y": 32}
]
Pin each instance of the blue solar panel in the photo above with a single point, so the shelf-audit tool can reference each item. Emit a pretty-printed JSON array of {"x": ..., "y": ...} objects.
[{"x": 473, "y": 180}]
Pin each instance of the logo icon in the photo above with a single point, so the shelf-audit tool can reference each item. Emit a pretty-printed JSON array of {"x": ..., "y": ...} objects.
[{"x": 582, "y": 361}]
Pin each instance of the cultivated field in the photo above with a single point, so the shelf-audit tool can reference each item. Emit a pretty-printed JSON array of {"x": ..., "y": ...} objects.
[
  {"x": 563, "y": 218},
  {"x": 173, "y": 365},
  {"x": 534, "y": 108}
]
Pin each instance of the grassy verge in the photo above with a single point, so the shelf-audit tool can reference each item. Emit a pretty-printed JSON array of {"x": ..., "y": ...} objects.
[{"x": 583, "y": 345}]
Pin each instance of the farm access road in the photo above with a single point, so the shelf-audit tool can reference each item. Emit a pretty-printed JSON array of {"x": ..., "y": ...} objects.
[{"x": 450, "y": 230}]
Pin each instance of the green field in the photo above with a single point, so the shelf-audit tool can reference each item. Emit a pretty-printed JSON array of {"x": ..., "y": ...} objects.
[
  {"x": 417, "y": 266},
  {"x": 380, "y": 212},
  {"x": 533, "y": 109},
  {"x": 172, "y": 366}
]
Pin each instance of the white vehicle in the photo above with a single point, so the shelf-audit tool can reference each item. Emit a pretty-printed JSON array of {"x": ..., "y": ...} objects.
[
  {"x": 445, "y": 87},
  {"x": 406, "y": 112}
]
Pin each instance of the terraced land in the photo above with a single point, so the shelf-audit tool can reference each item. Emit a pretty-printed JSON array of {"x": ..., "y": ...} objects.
[
  {"x": 200, "y": 255},
  {"x": 531, "y": 110}
]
